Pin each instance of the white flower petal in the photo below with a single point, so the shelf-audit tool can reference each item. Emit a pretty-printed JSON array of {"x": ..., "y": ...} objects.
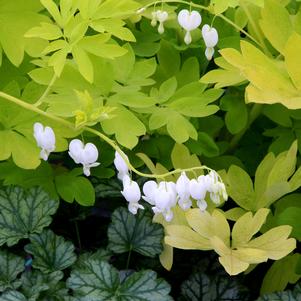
[
  {"x": 89, "y": 153},
  {"x": 131, "y": 191},
  {"x": 209, "y": 52},
  {"x": 197, "y": 189},
  {"x": 189, "y": 20},
  {"x": 202, "y": 204},
  {"x": 210, "y": 36}
]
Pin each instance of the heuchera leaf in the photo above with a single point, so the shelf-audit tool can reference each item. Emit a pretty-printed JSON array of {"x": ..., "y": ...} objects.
[
  {"x": 10, "y": 267},
  {"x": 23, "y": 213},
  {"x": 200, "y": 287},
  {"x": 99, "y": 281},
  {"x": 128, "y": 232},
  {"x": 51, "y": 252}
]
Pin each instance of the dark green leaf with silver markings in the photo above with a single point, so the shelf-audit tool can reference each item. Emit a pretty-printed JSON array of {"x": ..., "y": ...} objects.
[
  {"x": 24, "y": 212},
  {"x": 200, "y": 287},
  {"x": 10, "y": 267},
  {"x": 35, "y": 283},
  {"x": 99, "y": 281},
  {"x": 13, "y": 296},
  {"x": 51, "y": 252},
  {"x": 128, "y": 232}
]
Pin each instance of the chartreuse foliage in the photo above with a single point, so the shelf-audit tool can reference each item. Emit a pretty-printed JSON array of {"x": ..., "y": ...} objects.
[
  {"x": 237, "y": 249},
  {"x": 274, "y": 178},
  {"x": 91, "y": 277},
  {"x": 256, "y": 65}
]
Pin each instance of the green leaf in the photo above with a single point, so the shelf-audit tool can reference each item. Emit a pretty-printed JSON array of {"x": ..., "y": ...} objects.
[
  {"x": 127, "y": 134},
  {"x": 35, "y": 283},
  {"x": 101, "y": 282},
  {"x": 51, "y": 252},
  {"x": 237, "y": 114},
  {"x": 291, "y": 216},
  {"x": 280, "y": 274},
  {"x": 47, "y": 31},
  {"x": 10, "y": 267},
  {"x": 199, "y": 287},
  {"x": 13, "y": 296},
  {"x": 70, "y": 186},
  {"x": 292, "y": 48},
  {"x": 83, "y": 62},
  {"x": 241, "y": 187},
  {"x": 276, "y": 24},
  {"x": 15, "y": 20},
  {"x": 288, "y": 295},
  {"x": 23, "y": 213},
  {"x": 204, "y": 145},
  {"x": 128, "y": 232}
]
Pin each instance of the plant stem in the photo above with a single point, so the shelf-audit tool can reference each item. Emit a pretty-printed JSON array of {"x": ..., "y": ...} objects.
[
  {"x": 128, "y": 259},
  {"x": 40, "y": 100},
  {"x": 111, "y": 142},
  {"x": 254, "y": 114},
  {"x": 78, "y": 236},
  {"x": 255, "y": 26}
]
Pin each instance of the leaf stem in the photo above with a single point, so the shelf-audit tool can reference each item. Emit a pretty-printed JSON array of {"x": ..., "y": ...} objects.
[
  {"x": 40, "y": 100},
  {"x": 128, "y": 259},
  {"x": 78, "y": 236}
]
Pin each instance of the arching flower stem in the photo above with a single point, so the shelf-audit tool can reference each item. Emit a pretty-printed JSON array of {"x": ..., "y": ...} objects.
[{"x": 112, "y": 143}]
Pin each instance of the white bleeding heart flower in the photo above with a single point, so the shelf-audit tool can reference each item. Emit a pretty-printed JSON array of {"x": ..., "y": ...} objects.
[
  {"x": 198, "y": 188},
  {"x": 121, "y": 166},
  {"x": 131, "y": 192},
  {"x": 154, "y": 19},
  {"x": 210, "y": 37},
  {"x": 189, "y": 21},
  {"x": 162, "y": 16},
  {"x": 182, "y": 188},
  {"x": 149, "y": 190},
  {"x": 86, "y": 155},
  {"x": 45, "y": 138}
]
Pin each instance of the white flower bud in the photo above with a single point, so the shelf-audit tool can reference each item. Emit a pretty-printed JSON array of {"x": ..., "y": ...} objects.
[
  {"x": 86, "y": 155},
  {"x": 182, "y": 188},
  {"x": 45, "y": 139},
  {"x": 154, "y": 19},
  {"x": 162, "y": 16},
  {"x": 209, "y": 52}
]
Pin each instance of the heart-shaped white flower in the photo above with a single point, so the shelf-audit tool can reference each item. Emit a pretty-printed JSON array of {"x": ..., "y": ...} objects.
[
  {"x": 121, "y": 166},
  {"x": 210, "y": 36},
  {"x": 45, "y": 139},
  {"x": 189, "y": 21},
  {"x": 161, "y": 16},
  {"x": 86, "y": 155}
]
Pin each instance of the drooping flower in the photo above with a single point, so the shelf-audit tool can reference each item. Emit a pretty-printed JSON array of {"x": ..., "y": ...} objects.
[
  {"x": 162, "y": 16},
  {"x": 159, "y": 16},
  {"x": 210, "y": 37},
  {"x": 198, "y": 190},
  {"x": 131, "y": 192},
  {"x": 162, "y": 196},
  {"x": 182, "y": 187},
  {"x": 189, "y": 21},
  {"x": 86, "y": 155},
  {"x": 45, "y": 138},
  {"x": 121, "y": 166}
]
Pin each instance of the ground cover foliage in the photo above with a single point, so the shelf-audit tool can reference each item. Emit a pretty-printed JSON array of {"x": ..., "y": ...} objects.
[{"x": 150, "y": 150}]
